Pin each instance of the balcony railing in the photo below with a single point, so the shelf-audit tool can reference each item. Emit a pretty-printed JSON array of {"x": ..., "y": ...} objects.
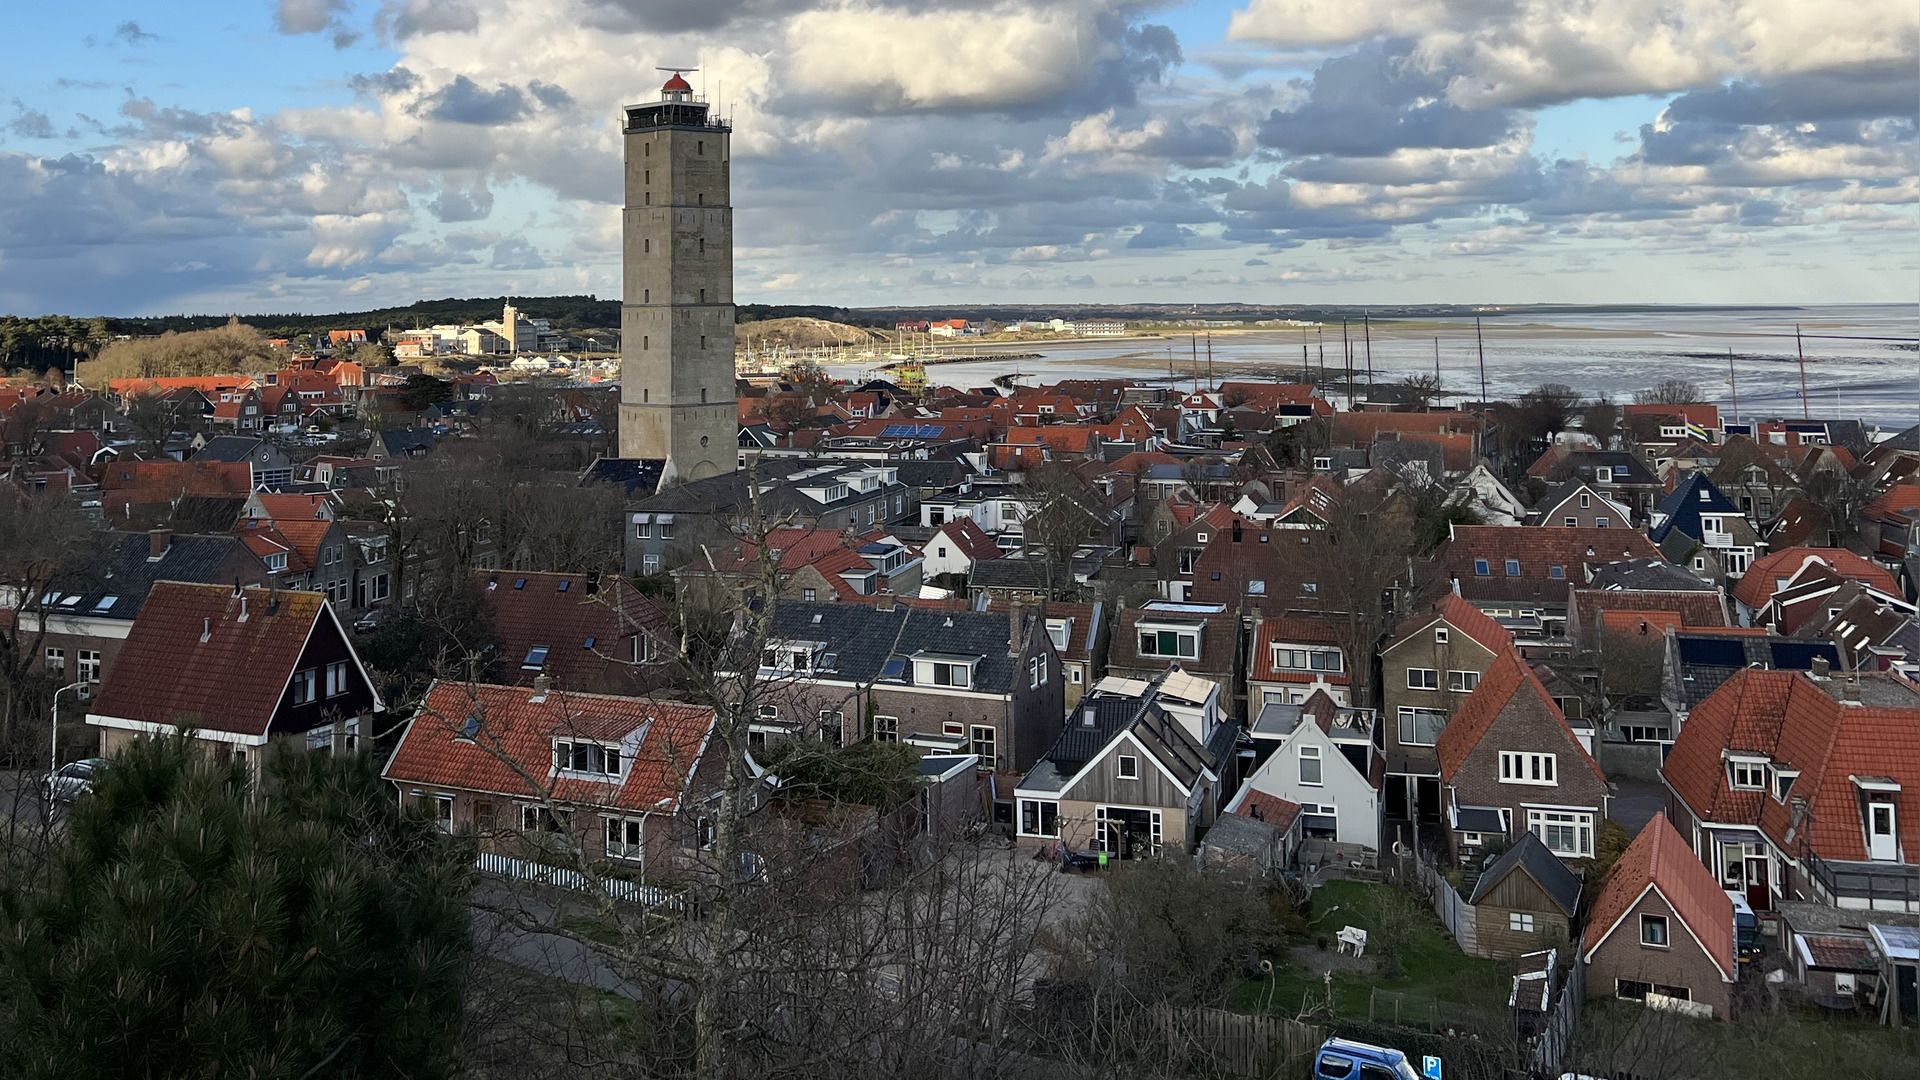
[{"x": 1883, "y": 886}]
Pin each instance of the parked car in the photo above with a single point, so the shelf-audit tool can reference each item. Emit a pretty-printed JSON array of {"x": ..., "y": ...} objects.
[
  {"x": 73, "y": 780},
  {"x": 1344, "y": 1059}
]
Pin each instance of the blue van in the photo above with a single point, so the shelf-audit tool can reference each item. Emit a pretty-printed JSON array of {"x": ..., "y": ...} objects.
[{"x": 1343, "y": 1059}]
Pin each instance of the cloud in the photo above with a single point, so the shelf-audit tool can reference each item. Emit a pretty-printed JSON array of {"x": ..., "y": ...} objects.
[
  {"x": 1531, "y": 52},
  {"x": 1377, "y": 99},
  {"x": 413, "y": 18},
  {"x": 307, "y": 16},
  {"x": 454, "y": 204},
  {"x": 129, "y": 33},
  {"x": 30, "y": 123},
  {"x": 1159, "y": 234},
  {"x": 464, "y": 101}
]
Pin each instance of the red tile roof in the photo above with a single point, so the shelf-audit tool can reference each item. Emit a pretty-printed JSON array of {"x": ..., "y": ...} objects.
[
  {"x": 530, "y": 609},
  {"x": 1762, "y": 578},
  {"x": 515, "y": 726},
  {"x": 1272, "y": 809},
  {"x": 971, "y": 539},
  {"x": 1287, "y": 630},
  {"x": 1707, "y": 416},
  {"x": 1538, "y": 550},
  {"x": 1625, "y": 609},
  {"x": 232, "y": 681},
  {"x": 1659, "y": 859},
  {"x": 1508, "y": 676},
  {"x": 1462, "y": 616}
]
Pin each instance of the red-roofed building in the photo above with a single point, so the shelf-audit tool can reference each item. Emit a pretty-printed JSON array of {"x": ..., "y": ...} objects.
[
  {"x": 956, "y": 546},
  {"x": 1293, "y": 656},
  {"x": 238, "y": 668},
  {"x": 134, "y": 490},
  {"x": 1804, "y": 786},
  {"x": 1509, "y": 762},
  {"x": 1781, "y": 578},
  {"x": 1662, "y": 926},
  {"x": 1593, "y": 611},
  {"x": 213, "y": 386},
  {"x": 585, "y": 632},
  {"x": 1521, "y": 576},
  {"x": 1427, "y": 669},
  {"x": 623, "y": 779},
  {"x": 821, "y": 564}
]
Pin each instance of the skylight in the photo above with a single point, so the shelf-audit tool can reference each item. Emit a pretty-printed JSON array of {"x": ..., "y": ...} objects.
[{"x": 536, "y": 658}]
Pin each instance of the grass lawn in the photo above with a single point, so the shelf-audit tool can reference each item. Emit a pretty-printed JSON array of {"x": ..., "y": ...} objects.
[
  {"x": 1437, "y": 981},
  {"x": 1785, "y": 1046}
]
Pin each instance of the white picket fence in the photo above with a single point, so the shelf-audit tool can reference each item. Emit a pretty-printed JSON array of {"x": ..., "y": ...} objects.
[{"x": 560, "y": 877}]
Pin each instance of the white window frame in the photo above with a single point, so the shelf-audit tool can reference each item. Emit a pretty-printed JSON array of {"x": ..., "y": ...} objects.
[
  {"x": 1666, "y": 931},
  {"x": 1312, "y": 753},
  {"x": 621, "y": 847},
  {"x": 1126, "y": 766},
  {"x": 886, "y": 728},
  {"x": 1746, "y": 775},
  {"x": 1408, "y": 723},
  {"x": 1039, "y": 808},
  {"x": 987, "y": 748},
  {"x": 1463, "y": 682},
  {"x": 1520, "y": 922},
  {"x": 1541, "y": 823},
  {"x": 1529, "y": 767},
  {"x": 1423, "y": 678}
]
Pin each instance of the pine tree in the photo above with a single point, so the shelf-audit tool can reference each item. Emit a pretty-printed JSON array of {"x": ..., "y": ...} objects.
[{"x": 188, "y": 927}]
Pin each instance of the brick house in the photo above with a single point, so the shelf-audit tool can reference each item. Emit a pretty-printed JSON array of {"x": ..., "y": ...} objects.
[
  {"x": 1293, "y": 657},
  {"x": 1524, "y": 901},
  {"x": 1510, "y": 763},
  {"x": 1794, "y": 785},
  {"x": 1138, "y": 769},
  {"x": 1661, "y": 926},
  {"x": 623, "y": 780},
  {"x": 942, "y": 681},
  {"x": 240, "y": 669},
  {"x": 1079, "y": 632},
  {"x": 1520, "y": 576},
  {"x": 1433, "y": 661}
]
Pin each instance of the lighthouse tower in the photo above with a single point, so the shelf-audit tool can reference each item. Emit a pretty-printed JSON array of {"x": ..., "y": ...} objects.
[{"x": 676, "y": 313}]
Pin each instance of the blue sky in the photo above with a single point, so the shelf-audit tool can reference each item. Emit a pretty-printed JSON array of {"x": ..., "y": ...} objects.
[{"x": 270, "y": 155}]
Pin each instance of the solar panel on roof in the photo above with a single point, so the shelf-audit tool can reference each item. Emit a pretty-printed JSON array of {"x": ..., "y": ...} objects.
[
  {"x": 1712, "y": 652},
  {"x": 1798, "y": 655},
  {"x": 899, "y": 431}
]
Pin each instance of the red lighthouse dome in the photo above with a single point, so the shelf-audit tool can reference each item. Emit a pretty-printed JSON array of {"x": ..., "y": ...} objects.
[{"x": 677, "y": 85}]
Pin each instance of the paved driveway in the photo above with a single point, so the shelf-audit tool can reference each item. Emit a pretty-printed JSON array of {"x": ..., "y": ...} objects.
[{"x": 1635, "y": 802}]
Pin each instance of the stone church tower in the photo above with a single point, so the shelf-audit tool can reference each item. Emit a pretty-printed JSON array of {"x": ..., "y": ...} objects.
[{"x": 676, "y": 315}]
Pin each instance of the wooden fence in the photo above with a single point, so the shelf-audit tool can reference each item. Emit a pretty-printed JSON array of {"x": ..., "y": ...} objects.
[
  {"x": 1459, "y": 917},
  {"x": 560, "y": 877},
  {"x": 1563, "y": 1016},
  {"x": 1242, "y": 1044}
]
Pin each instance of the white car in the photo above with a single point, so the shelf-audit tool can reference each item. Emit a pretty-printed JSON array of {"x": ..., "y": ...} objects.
[{"x": 73, "y": 780}]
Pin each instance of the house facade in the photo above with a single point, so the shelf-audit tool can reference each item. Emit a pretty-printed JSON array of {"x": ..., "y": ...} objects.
[
  {"x": 1433, "y": 661},
  {"x": 1524, "y": 901},
  {"x": 1326, "y": 762},
  {"x": 1136, "y": 771},
  {"x": 1294, "y": 657},
  {"x": 1510, "y": 763},
  {"x": 238, "y": 669},
  {"x": 1661, "y": 926}
]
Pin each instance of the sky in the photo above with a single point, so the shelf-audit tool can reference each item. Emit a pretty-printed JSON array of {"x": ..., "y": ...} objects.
[{"x": 321, "y": 155}]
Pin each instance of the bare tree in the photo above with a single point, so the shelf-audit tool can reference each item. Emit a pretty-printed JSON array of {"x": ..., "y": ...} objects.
[
  {"x": 153, "y": 417},
  {"x": 1420, "y": 391},
  {"x": 1062, "y": 511},
  {"x": 1673, "y": 391},
  {"x": 1365, "y": 577},
  {"x": 39, "y": 535}
]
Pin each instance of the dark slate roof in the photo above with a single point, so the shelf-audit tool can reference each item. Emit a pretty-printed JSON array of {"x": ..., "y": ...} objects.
[
  {"x": 230, "y": 448},
  {"x": 934, "y": 474},
  {"x": 1704, "y": 660},
  {"x": 115, "y": 566},
  {"x": 863, "y": 637},
  {"x": 1008, "y": 574},
  {"x": 1237, "y": 834},
  {"x": 207, "y": 513},
  {"x": 639, "y": 476},
  {"x": 1680, "y": 510},
  {"x": 1648, "y": 575},
  {"x": 405, "y": 441},
  {"x": 1556, "y": 879}
]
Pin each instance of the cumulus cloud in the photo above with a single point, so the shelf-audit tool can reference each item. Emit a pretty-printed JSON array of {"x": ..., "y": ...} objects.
[
  {"x": 1518, "y": 52},
  {"x": 307, "y": 16}
]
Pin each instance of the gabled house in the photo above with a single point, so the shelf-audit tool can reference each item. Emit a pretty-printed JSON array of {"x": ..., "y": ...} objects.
[
  {"x": 1697, "y": 524},
  {"x": 1661, "y": 926},
  {"x": 955, "y": 546},
  {"x": 1870, "y": 630},
  {"x": 1427, "y": 669},
  {"x": 1577, "y": 504},
  {"x": 583, "y": 632},
  {"x": 1786, "y": 587},
  {"x": 530, "y": 771},
  {"x": 1490, "y": 501},
  {"x": 1525, "y": 900},
  {"x": 1623, "y": 477},
  {"x": 1293, "y": 657},
  {"x": 1325, "y": 760},
  {"x": 270, "y": 466},
  {"x": 982, "y": 683},
  {"x": 1510, "y": 763},
  {"x": 1804, "y": 786},
  {"x": 1699, "y": 661},
  {"x": 237, "y": 668},
  {"x": 1136, "y": 771}
]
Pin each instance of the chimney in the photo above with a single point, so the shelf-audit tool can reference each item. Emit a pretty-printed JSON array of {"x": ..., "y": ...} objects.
[
  {"x": 1850, "y": 691},
  {"x": 1821, "y": 667},
  {"x": 1016, "y": 621},
  {"x": 158, "y": 540},
  {"x": 243, "y": 607},
  {"x": 206, "y": 630},
  {"x": 541, "y": 684}
]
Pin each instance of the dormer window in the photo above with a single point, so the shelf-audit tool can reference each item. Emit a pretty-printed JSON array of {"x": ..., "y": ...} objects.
[
  {"x": 584, "y": 758},
  {"x": 1783, "y": 783},
  {"x": 1746, "y": 774},
  {"x": 277, "y": 563},
  {"x": 953, "y": 673},
  {"x": 1057, "y": 630}
]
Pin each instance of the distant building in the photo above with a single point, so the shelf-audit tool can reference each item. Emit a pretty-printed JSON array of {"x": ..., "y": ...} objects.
[{"x": 1098, "y": 328}]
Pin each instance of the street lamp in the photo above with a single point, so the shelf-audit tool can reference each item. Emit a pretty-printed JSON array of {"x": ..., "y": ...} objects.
[{"x": 53, "y": 756}]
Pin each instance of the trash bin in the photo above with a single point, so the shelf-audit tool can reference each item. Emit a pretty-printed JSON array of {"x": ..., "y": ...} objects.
[{"x": 1103, "y": 860}]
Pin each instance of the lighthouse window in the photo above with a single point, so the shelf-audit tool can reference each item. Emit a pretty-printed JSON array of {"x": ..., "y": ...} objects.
[
  {"x": 646, "y": 245},
  {"x": 700, "y": 147},
  {"x": 703, "y": 395}
]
